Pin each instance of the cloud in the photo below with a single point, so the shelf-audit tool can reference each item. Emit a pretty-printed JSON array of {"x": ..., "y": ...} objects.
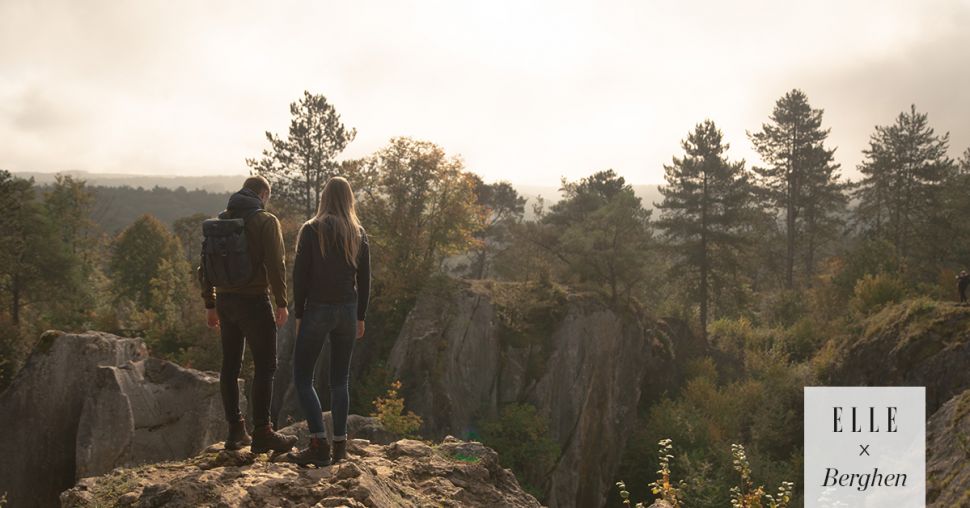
[{"x": 526, "y": 91}]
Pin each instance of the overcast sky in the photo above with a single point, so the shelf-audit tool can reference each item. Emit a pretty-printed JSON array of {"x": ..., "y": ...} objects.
[{"x": 525, "y": 91}]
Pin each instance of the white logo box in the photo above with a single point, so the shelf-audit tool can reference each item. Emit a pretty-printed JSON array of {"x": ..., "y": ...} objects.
[{"x": 865, "y": 447}]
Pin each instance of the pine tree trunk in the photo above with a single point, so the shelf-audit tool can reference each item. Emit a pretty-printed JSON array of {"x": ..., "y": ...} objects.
[
  {"x": 15, "y": 301},
  {"x": 704, "y": 262}
]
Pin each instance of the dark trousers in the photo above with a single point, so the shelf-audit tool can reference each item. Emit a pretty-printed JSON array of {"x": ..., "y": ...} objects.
[
  {"x": 323, "y": 322},
  {"x": 963, "y": 294},
  {"x": 245, "y": 318}
]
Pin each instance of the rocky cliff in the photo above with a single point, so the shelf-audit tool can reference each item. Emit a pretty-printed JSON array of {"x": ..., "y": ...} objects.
[
  {"x": 948, "y": 454},
  {"x": 468, "y": 348},
  {"x": 921, "y": 342},
  {"x": 917, "y": 342},
  {"x": 405, "y": 473},
  {"x": 86, "y": 403}
]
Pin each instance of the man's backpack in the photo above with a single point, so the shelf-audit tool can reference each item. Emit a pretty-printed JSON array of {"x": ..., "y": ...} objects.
[{"x": 226, "y": 259}]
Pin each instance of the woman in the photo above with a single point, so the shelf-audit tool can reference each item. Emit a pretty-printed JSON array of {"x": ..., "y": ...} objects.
[{"x": 331, "y": 285}]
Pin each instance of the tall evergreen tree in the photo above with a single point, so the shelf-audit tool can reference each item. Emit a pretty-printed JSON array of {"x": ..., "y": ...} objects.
[
  {"x": 905, "y": 167},
  {"x": 299, "y": 165},
  {"x": 502, "y": 207},
  {"x": 138, "y": 258},
  {"x": 601, "y": 234},
  {"x": 801, "y": 179},
  {"x": 706, "y": 202},
  {"x": 33, "y": 261}
]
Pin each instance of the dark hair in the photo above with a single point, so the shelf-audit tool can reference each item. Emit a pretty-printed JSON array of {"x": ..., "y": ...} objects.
[{"x": 256, "y": 184}]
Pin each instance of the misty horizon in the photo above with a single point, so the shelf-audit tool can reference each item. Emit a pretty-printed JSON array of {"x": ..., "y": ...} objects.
[{"x": 523, "y": 93}]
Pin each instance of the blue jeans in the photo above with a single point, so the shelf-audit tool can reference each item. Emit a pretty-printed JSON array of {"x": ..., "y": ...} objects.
[{"x": 339, "y": 324}]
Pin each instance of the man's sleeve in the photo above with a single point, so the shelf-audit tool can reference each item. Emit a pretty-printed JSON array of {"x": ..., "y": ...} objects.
[
  {"x": 275, "y": 260},
  {"x": 208, "y": 291}
]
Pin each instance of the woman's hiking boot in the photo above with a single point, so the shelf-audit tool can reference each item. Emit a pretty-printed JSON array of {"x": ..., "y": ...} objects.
[
  {"x": 266, "y": 439},
  {"x": 318, "y": 454},
  {"x": 238, "y": 437},
  {"x": 339, "y": 450}
]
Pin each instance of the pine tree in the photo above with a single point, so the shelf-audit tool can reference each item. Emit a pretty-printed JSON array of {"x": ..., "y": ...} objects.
[
  {"x": 34, "y": 262},
  {"x": 298, "y": 166},
  {"x": 706, "y": 203},
  {"x": 601, "y": 234},
  {"x": 139, "y": 256},
  {"x": 904, "y": 170},
  {"x": 800, "y": 179}
]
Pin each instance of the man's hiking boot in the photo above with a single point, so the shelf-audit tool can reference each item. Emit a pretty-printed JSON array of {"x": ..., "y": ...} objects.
[
  {"x": 318, "y": 454},
  {"x": 238, "y": 437},
  {"x": 266, "y": 439},
  {"x": 339, "y": 450}
]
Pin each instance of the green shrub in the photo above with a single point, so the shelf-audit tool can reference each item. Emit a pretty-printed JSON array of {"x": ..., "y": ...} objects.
[
  {"x": 873, "y": 292},
  {"x": 520, "y": 435},
  {"x": 389, "y": 409},
  {"x": 743, "y": 494}
]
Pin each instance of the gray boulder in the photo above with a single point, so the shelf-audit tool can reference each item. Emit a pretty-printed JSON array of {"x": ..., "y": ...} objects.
[
  {"x": 84, "y": 404},
  {"x": 948, "y": 454},
  {"x": 358, "y": 427},
  {"x": 147, "y": 411}
]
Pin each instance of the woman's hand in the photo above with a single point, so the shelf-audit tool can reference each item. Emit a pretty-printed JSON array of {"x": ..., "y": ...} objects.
[
  {"x": 296, "y": 331},
  {"x": 360, "y": 329}
]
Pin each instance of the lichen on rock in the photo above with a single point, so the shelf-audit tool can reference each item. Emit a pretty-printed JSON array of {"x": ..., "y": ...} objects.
[{"x": 405, "y": 473}]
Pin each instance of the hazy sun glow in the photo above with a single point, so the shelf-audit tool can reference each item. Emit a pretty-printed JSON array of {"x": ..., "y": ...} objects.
[{"x": 524, "y": 91}]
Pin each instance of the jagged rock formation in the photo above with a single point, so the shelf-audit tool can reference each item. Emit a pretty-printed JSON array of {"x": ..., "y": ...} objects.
[
  {"x": 86, "y": 403},
  {"x": 469, "y": 347},
  {"x": 922, "y": 343},
  {"x": 914, "y": 343},
  {"x": 358, "y": 427},
  {"x": 405, "y": 473},
  {"x": 948, "y": 454}
]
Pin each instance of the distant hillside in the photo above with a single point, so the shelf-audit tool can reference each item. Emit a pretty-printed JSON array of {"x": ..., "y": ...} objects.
[
  {"x": 117, "y": 207},
  {"x": 211, "y": 183},
  {"x": 123, "y": 198}
]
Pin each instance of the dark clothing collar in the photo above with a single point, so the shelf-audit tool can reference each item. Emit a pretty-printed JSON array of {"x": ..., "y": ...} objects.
[{"x": 243, "y": 201}]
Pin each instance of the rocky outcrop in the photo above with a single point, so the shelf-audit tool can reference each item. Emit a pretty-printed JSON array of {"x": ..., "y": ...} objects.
[
  {"x": 921, "y": 342},
  {"x": 468, "y": 348},
  {"x": 86, "y": 403},
  {"x": 405, "y": 473},
  {"x": 914, "y": 343},
  {"x": 147, "y": 411},
  {"x": 948, "y": 454},
  {"x": 358, "y": 427}
]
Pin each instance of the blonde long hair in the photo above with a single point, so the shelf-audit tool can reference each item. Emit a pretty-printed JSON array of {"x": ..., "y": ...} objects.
[{"x": 338, "y": 210}]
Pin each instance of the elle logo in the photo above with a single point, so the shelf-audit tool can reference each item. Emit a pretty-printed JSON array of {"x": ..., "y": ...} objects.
[
  {"x": 857, "y": 421},
  {"x": 865, "y": 447}
]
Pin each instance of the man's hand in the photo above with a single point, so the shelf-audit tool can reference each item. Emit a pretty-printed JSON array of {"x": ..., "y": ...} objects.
[
  {"x": 212, "y": 318},
  {"x": 360, "y": 329},
  {"x": 281, "y": 315}
]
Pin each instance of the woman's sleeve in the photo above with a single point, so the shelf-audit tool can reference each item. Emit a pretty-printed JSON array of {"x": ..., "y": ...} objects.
[
  {"x": 301, "y": 269},
  {"x": 363, "y": 277}
]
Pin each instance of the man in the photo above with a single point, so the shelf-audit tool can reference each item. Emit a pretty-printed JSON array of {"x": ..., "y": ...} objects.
[
  {"x": 244, "y": 313},
  {"x": 963, "y": 280}
]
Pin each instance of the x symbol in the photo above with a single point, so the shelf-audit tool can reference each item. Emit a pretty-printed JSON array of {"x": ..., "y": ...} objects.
[{"x": 865, "y": 450}]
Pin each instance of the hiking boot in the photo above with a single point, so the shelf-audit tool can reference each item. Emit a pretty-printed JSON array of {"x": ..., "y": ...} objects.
[
  {"x": 318, "y": 454},
  {"x": 266, "y": 439},
  {"x": 238, "y": 437},
  {"x": 339, "y": 450}
]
